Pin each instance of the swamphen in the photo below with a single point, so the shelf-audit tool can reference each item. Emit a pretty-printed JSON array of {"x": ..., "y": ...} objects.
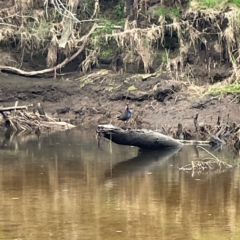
[{"x": 125, "y": 115}]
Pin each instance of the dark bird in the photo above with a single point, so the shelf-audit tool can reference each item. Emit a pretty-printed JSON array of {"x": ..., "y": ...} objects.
[{"x": 125, "y": 115}]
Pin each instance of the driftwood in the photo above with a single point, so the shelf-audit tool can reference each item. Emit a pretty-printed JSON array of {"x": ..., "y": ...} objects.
[
  {"x": 5, "y": 109},
  {"x": 207, "y": 165},
  {"x": 145, "y": 139},
  {"x": 20, "y": 120}
]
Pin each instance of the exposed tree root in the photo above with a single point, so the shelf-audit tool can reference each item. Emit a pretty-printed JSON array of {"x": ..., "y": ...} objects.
[{"x": 84, "y": 40}]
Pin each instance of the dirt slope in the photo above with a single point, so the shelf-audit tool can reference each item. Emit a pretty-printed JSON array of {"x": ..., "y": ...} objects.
[{"x": 101, "y": 96}]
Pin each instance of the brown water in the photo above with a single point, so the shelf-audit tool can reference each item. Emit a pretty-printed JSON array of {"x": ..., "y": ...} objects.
[{"x": 65, "y": 187}]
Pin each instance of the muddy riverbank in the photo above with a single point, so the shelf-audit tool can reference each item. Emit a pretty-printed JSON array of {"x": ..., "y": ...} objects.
[{"x": 99, "y": 97}]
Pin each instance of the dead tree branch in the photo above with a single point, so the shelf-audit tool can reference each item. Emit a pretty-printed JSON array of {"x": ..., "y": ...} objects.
[
  {"x": 13, "y": 108},
  {"x": 84, "y": 40},
  {"x": 207, "y": 164}
]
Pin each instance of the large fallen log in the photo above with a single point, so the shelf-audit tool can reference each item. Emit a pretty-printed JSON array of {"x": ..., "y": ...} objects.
[{"x": 139, "y": 137}]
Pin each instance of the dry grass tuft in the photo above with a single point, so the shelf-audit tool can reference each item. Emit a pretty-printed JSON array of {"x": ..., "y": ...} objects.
[{"x": 90, "y": 61}]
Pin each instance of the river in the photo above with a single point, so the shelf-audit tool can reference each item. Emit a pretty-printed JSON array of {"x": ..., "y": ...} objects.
[{"x": 64, "y": 186}]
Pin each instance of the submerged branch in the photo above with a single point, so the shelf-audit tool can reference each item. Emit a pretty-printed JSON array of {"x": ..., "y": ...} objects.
[
  {"x": 207, "y": 164},
  {"x": 209, "y": 153}
]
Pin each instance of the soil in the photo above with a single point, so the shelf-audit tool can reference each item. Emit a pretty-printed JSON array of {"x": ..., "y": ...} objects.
[{"x": 101, "y": 96}]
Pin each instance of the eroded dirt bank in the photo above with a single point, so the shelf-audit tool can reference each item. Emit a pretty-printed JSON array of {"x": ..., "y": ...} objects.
[{"x": 99, "y": 97}]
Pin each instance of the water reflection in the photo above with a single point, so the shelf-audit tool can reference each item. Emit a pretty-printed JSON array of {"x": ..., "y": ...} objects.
[
  {"x": 63, "y": 186},
  {"x": 144, "y": 161}
]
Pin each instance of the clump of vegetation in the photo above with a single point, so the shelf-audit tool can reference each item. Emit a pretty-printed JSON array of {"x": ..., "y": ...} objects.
[
  {"x": 209, "y": 3},
  {"x": 165, "y": 56},
  {"x": 225, "y": 89},
  {"x": 236, "y": 2},
  {"x": 172, "y": 12},
  {"x": 118, "y": 10},
  {"x": 213, "y": 3},
  {"x": 139, "y": 41},
  {"x": 106, "y": 26},
  {"x": 107, "y": 47}
]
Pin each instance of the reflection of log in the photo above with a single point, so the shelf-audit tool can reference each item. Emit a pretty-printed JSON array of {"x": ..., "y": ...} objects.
[
  {"x": 145, "y": 161},
  {"x": 140, "y": 138}
]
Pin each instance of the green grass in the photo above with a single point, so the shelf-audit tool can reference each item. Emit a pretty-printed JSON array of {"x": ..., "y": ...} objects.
[
  {"x": 118, "y": 10},
  {"x": 236, "y": 2},
  {"x": 174, "y": 12},
  {"x": 107, "y": 48},
  {"x": 165, "y": 56},
  {"x": 107, "y": 27},
  {"x": 213, "y": 3},
  {"x": 209, "y": 3},
  {"x": 161, "y": 11},
  {"x": 166, "y": 11},
  {"x": 107, "y": 52},
  {"x": 231, "y": 88},
  {"x": 131, "y": 88}
]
